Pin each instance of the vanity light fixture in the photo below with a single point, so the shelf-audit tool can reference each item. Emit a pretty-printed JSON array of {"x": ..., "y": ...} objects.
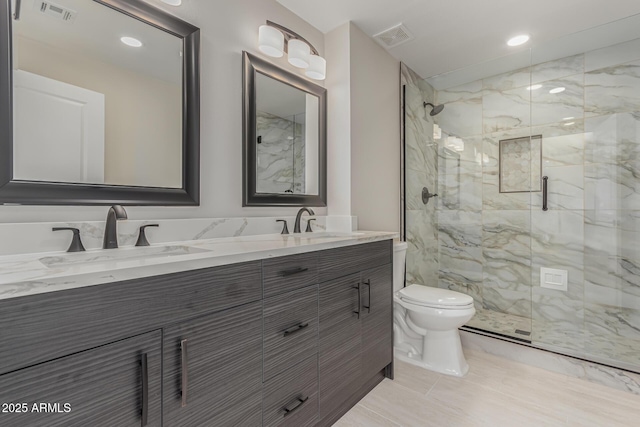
[
  {"x": 274, "y": 40},
  {"x": 518, "y": 40},
  {"x": 172, "y": 2},
  {"x": 130, "y": 41},
  {"x": 557, "y": 90}
]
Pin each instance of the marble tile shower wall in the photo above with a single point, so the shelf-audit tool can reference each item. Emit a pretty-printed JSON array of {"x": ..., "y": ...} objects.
[
  {"x": 420, "y": 164},
  {"x": 281, "y": 154},
  {"x": 491, "y": 245}
]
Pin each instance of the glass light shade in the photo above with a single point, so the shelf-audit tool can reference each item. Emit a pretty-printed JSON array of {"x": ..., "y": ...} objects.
[
  {"x": 270, "y": 41},
  {"x": 317, "y": 68},
  {"x": 299, "y": 53}
]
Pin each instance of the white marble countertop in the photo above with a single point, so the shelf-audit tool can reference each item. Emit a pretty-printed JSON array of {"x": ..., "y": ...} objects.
[{"x": 31, "y": 274}]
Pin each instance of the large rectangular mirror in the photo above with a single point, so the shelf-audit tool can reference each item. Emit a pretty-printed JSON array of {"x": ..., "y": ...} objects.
[
  {"x": 284, "y": 137},
  {"x": 103, "y": 104}
]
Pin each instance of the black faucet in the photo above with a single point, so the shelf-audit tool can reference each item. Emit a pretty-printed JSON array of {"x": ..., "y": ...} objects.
[
  {"x": 296, "y": 227},
  {"x": 110, "y": 240}
]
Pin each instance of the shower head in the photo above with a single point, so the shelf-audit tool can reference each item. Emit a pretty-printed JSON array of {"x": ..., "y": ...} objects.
[{"x": 435, "y": 109}]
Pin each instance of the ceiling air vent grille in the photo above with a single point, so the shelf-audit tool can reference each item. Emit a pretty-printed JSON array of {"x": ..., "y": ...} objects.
[
  {"x": 56, "y": 11},
  {"x": 393, "y": 36}
]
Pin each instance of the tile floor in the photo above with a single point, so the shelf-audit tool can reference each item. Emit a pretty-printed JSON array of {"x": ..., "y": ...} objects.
[{"x": 497, "y": 392}]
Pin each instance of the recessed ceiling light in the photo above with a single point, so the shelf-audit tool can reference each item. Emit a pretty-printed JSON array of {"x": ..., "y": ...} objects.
[
  {"x": 557, "y": 90},
  {"x": 173, "y": 2},
  {"x": 534, "y": 87},
  {"x": 518, "y": 40},
  {"x": 568, "y": 118},
  {"x": 130, "y": 41},
  {"x": 570, "y": 123}
]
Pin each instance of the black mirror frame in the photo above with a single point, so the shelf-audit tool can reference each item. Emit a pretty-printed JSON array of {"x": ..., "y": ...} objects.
[
  {"x": 52, "y": 193},
  {"x": 250, "y": 197}
]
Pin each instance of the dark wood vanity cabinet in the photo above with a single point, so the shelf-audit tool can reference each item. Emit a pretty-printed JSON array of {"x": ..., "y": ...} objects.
[
  {"x": 287, "y": 341},
  {"x": 213, "y": 369},
  {"x": 356, "y": 329},
  {"x": 377, "y": 318},
  {"x": 117, "y": 384}
]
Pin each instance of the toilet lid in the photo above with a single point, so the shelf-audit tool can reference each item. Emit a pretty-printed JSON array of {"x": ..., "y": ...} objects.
[{"x": 434, "y": 297}]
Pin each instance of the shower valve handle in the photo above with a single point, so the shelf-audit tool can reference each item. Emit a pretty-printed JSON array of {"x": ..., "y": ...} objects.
[{"x": 426, "y": 195}]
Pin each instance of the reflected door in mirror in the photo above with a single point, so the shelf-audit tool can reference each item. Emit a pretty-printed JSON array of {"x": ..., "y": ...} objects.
[{"x": 91, "y": 106}]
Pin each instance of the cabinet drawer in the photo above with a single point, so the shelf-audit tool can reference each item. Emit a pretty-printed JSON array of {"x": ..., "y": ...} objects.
[
  {"x": 288, "y": 273},
  {"x": 290, "y": 329},
  {"x": 340, "y": 262},
  {"x": 291, "y": 398}
]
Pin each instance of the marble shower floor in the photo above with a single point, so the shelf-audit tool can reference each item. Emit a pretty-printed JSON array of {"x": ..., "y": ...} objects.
[{"x": 497, "y": 392}]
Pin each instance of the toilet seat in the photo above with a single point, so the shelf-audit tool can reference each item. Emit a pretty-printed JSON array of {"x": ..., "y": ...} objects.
[{"x": 424, "y": 296}]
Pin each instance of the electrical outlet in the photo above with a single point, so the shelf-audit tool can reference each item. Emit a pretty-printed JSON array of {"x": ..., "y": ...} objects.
[{"x": 552, "y": 278}]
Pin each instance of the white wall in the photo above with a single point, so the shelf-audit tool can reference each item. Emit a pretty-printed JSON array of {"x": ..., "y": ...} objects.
[
  {"x": 227, "y": 28},
  {"x": 375, "y": 134},
  {"x": 338, "y": 85}
]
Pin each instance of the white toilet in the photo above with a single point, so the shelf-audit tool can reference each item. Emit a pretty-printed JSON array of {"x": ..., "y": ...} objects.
[{"x": 426, "y": 322}]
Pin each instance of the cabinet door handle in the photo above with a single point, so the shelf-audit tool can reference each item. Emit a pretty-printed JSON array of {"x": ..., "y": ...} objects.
[
  {"x": 294, "y": 406},
  {"x": 358, "y": 288},
  {"x": 368, "y": 307},
  {"x": 145, "y": 389},
  {"x": 292, "y": 330},
  {"x": 291, "y": 272},
  {"x": 185, "y": 371}
]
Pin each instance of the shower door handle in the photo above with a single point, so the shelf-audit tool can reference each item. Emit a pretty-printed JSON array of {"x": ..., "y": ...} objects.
[{"x": 545, "y": 180}]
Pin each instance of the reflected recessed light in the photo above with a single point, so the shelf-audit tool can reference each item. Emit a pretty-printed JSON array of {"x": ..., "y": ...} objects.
[
  {"x": 557, "y": 90},
  {"x": 570, "y": 123},
  {"x": 130, "y": 41},
  {"x": 534, "y": 87},
  {"x": 568, "y": 118},
  {"x": 173, "y": 2},
  {"x": 518, "y": 40}
]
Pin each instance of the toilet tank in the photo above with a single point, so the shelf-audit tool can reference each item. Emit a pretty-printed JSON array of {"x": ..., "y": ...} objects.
[{"x": 399, "y": 257}]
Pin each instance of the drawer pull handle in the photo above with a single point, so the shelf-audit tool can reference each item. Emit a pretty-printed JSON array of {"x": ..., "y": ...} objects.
[
  {"x": 359, "y": 299},
  {"x": 291, "y": 272},
  {"x": 368, "y": 307},
  {"x": 294, "y": 406},
  {"x": 185, "y": 371},
  {"x": 145, "y": 389},
  {"x": 295, "y": 329}
]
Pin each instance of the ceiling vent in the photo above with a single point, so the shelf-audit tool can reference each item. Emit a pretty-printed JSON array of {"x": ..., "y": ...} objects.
[
  {"x": 55, "y": 10},
  {"x": 393, "y": 36}
]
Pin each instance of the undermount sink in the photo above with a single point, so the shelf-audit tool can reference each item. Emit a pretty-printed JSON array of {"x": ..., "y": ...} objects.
[{"x": 123, "y": 254}]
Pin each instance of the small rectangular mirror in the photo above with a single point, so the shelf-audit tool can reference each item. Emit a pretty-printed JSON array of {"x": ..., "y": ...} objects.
[{"x": 284, "y": 137}]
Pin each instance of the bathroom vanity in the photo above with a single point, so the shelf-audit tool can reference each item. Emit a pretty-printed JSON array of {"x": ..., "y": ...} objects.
[{"x": 288, "y": 331}]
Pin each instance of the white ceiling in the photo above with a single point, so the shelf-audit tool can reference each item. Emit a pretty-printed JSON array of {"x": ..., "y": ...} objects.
[
  {"x": 452, "y": 34},
  {"x": 96, "y": 33}
]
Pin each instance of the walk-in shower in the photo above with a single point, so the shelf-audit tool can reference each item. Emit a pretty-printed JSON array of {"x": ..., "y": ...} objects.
[{"x": 566, "y": 279}]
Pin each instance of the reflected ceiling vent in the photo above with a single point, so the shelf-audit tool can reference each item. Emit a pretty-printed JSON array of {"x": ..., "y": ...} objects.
[
  {"x": 393, "y": 36},
  {"x": 55, "y": 10}
]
